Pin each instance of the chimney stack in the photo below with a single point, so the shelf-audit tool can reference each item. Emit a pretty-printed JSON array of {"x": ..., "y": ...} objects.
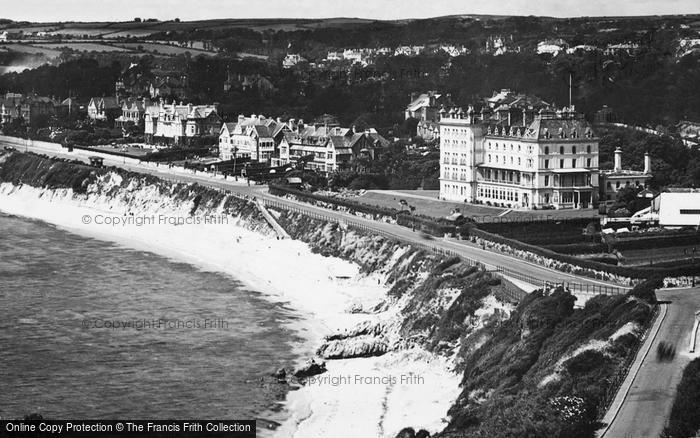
[
  {"x": 618, "y": 160},
  {"x": 647, "y": 163}
]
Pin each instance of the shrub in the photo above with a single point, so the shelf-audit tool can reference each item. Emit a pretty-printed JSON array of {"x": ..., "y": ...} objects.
[{"x": 684, "y": 420}]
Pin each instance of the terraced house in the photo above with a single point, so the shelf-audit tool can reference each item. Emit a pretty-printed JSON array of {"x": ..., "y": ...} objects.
[{"x": 550, "y": 162}]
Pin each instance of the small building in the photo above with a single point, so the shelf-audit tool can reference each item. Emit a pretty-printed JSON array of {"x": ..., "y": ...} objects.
[
  {"x": 133, "y": 112},
  {"x": 678, "y": 209},
  {"x": 604, "y": 115},
  {"x": 103, "y": 108},
  {"x": 612, "y": 181},
  {"x": 291, "y": 60}
]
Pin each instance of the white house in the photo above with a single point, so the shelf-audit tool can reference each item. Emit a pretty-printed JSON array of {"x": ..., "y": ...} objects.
[{"x": 678, "y": 209}]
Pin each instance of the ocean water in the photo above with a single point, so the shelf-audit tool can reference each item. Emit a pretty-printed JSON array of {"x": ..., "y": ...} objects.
[{"x": 93, "y": 330}]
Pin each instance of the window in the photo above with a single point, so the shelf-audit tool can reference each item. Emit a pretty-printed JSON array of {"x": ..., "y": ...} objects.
[
  {"x": 546, "y": 151},
  {"x": 689, "y": 211},
  {"x": 573, "y": 149},
  {"x": 588, "y": 149},
  {"x": 546, "y": 164},
  {"x": 561, "y": 150},
  {"x": 561, "y": 164},
  {"x": 546, "y": 180},
  {"x": 588, "y": 162},
  {"x": 573, "y": 163}
]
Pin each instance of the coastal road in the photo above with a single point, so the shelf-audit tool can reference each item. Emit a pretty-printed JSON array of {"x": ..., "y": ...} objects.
[
  {"x": 645, "y": 408},
  {"x": 463, "y": 248}
]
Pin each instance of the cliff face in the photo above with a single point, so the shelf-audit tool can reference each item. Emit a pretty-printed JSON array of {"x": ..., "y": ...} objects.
[
  {"x": 434, "y": 301},
  {"x": 132, "y": 192}
]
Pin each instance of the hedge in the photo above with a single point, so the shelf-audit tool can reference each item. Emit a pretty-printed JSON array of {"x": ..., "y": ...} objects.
[
  {"x": 656, "y": 241},
  {"x": 578, "y": 248},
  {"x": 624, "y": 271}
]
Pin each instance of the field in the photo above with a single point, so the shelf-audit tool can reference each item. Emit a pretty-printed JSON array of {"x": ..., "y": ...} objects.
[
  {"x": 83, "y": 47},
  {"x": 32, "y": 50},
  {"x": 144, "y": 29},
  {"x": 165, "y": 49}
]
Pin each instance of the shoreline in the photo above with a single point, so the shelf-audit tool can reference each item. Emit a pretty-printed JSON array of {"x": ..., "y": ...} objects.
[{"x": 307, "y": 283}]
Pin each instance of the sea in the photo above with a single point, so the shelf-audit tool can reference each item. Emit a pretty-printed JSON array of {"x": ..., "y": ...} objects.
[{"x": 94, "y": 330}]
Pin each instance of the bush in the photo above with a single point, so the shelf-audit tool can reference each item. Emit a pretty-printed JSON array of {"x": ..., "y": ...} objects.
[
  {"x": 685, "y": 421},
  {"x": 665, "y": 351}
]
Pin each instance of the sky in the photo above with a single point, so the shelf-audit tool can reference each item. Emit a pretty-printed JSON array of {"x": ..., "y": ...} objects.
[{"x": 119, "y": 10}]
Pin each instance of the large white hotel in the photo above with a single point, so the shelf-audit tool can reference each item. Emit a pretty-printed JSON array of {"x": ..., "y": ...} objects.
[{"x": 547, "y": 160}]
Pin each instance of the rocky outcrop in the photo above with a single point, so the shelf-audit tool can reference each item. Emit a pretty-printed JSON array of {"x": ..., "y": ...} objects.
[
  {"x": 310, "y": 368},
  {"x": 364, "y": 346},
  {"x": 364, "y": 340}
]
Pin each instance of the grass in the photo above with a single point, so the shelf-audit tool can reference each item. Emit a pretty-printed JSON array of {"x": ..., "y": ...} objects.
[
  {"x": 33, "y": 50},
  {"x": 428, "y": 207},
  {"x": 82, "y": 47},
  {"x": 165, "y": 49}
]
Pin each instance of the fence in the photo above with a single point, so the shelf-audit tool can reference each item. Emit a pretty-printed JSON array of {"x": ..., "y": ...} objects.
[
  {"x": 618, "y": 379},
  {"x": 577, "y": 288}
]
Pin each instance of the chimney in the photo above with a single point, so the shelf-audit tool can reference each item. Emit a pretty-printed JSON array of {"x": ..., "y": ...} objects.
[
  {"x": 241, "y": 118},
  {"x": 618, "y": 160},
  {"x": 647, "y": 163}
]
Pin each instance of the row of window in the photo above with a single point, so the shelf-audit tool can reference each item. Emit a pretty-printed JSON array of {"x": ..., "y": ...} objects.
[
  {"x": 562, "y": 150},
  {"x": 562, "y": 163},
  {"x": 500, "y": 194},
  {"x": 512, "y": 148},
  {"x": 503, "y": 160}
]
